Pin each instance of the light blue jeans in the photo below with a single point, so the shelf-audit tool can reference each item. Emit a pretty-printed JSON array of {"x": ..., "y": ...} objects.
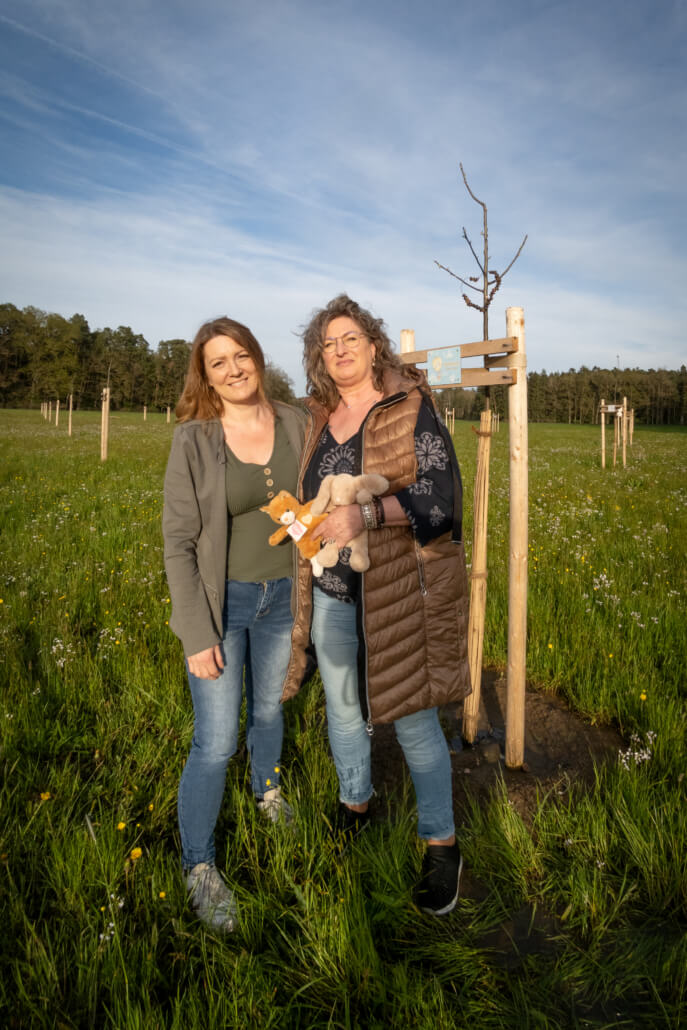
[
  {"x": 420, "y": 735},
  {"x": 256, "y": 648}
]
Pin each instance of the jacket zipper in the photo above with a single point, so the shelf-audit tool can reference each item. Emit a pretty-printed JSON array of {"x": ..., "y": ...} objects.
[
  {"x": 420, "y": 568},
  {"x": 387, "y": 402}
]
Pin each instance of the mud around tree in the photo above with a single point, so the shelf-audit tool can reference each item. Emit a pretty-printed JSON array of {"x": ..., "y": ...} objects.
[{"x": 560, "y": 748}]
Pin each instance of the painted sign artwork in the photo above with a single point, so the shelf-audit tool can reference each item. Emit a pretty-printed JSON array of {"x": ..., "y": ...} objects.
[{"x": 443, "y": 367}]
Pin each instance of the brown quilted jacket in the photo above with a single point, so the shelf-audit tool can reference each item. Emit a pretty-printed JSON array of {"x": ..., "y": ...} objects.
[{"x": 414, "y": 611}]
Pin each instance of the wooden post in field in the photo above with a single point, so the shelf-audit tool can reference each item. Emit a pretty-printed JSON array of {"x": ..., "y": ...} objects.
[
  {"x": 407, "y": 341},
  {"x": 57, "y": 412},
  {"x": 71, "y": 405},
  {"x": 616, "y": 435},
  {"x": 105, "y": 423},
  {"x": 624, "y": 429},
  {"x": 145, "y": 412},
  {"x": 632, "y": 424},
  {"x": 517, "y": 573},
  {"x": 603, "y": 433},
  {"x": 478, "y": 578},
  {"x": 49, "y": 411},
  {"x": 168, "y": 412}
]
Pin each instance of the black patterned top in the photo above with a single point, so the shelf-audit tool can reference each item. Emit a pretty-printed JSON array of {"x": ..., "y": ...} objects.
[{"x": 427, "y": 503}]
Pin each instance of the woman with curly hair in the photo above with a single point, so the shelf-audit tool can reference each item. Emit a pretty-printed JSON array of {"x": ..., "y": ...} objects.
[{"x": 391, "y": 642}]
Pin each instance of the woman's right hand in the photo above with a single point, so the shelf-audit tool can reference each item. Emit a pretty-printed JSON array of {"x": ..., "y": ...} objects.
[{"x": 206, "y": 665}]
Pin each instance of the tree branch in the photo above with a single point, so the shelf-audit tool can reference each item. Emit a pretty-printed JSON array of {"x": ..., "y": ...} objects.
[
  {"x": 469, "y": 243},
  {"x": 475, "y": 288},
  {"x": 480, "y": 202},
  {"x": 516, "y": 256}
]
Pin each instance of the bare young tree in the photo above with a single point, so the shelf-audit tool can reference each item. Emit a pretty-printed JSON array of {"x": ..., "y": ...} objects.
[{"x": 491, "y": 279}]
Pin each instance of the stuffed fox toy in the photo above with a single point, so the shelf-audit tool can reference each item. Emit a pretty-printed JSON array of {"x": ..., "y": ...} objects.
[{"x": 297, "y": 521}]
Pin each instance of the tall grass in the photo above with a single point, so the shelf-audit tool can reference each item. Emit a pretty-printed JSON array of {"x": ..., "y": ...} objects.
[{"x": 96, "y": 720}]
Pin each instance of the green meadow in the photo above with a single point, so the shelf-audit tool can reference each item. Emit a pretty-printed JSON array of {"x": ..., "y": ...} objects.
[{"x": 95, "y": 723}]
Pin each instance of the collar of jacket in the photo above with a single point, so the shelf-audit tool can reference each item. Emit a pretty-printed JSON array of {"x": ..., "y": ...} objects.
[
  {"x": 395, "y": 386},
  {"x": 213, "y": 427}
]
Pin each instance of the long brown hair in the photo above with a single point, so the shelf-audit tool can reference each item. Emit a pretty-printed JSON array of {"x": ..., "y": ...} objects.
[
  {"x": 198, "y": 399},
  {"x": 320, "y": 384}
]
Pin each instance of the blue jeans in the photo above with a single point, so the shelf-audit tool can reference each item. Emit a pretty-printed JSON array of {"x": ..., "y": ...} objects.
[
  {"x": 256, "y": 648},
  {"x": 420, "y": 735}
]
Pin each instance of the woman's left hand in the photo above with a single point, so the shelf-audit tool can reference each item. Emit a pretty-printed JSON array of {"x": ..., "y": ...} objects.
[{"x": 341, "y": 525}]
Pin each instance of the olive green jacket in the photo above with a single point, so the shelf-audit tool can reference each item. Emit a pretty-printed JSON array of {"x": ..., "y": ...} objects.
[{"x": 195, "y": 525}]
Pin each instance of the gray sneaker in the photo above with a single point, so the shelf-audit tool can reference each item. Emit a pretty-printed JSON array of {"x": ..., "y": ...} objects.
[
  {"x": 210, "y": 897},
  {"x": 275, "y": 807}
]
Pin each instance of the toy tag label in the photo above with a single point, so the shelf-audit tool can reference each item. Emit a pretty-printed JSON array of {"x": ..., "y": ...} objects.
[{"x": 296, "y": 530}]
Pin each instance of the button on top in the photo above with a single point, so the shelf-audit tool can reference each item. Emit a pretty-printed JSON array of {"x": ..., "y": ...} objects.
[
  {"x": 270, "y": 494},
  {"x": 269, "y": 482},
  {"x": 267, "y": 471}
]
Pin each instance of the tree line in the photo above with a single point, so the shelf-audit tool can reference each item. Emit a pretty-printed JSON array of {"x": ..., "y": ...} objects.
[
  {"x": 659, "y": 397},
  {"x": 44, "y": 356}
]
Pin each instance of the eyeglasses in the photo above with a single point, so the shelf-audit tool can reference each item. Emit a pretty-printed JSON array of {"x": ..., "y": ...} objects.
[{"x": 349, "y": 340}]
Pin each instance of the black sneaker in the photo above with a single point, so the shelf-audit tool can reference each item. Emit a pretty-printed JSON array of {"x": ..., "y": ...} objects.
[
  {"x": 437, "y": 891},
  {"x": 347, "y": 825}
]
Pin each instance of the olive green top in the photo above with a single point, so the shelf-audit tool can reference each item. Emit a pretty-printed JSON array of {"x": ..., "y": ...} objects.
[{"x": 249, "y": 486}]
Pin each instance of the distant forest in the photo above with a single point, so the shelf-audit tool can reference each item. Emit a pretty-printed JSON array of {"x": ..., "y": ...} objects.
[{"x": 45, "y": 356}]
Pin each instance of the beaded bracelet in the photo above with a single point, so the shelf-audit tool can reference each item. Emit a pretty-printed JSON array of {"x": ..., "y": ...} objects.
[{"x": 369, "y": 516}]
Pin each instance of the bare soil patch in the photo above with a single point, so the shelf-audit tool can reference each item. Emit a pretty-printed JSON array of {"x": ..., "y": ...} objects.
[{"x": 560, "y": 748}]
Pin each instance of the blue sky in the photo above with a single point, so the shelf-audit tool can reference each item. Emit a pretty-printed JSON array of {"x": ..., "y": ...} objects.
[{"x": 163, "y": 163}]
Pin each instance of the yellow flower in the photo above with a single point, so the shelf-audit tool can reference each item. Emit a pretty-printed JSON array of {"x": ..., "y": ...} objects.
[
  {"x": 276, "y": 769},
  {"x": 550, "y": 647},
  {"x": 135, "y": 854},
  {"x": 46, "y": 795},
  {"x": 121, "y": 826},
  {"x": 610, "y": 655},
  {"x": 642, "y": 696},
  {"x": 162, "y": 894},
  {"x": 151, "y": 806},
  {"x": 267, "y": 782}
]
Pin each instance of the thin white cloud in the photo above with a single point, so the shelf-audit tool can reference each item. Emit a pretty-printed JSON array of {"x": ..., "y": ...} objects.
[{"x": 262, "y": 158}]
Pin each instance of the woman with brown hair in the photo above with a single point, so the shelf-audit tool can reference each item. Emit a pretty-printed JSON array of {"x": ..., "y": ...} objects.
[
  {"x": 391, "y": 642},
  {"x": 232, "y": 451}
]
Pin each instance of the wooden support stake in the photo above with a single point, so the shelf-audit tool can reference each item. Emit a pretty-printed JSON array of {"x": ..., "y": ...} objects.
[
  {"x": 71, "y": 404},
  {"x": 168, "y": 410},
  {"x": 478, "y": 585},
  {"x": 632, "y": 424},
  {"x": 603, "y": 434},
  {"x": 624, "y": 429},
  {"x": 616, "y": 434},
  {"x": 57, "y": 412},
  {"x": 517, "y": 577},
  {"x": 407, "y": 341},
  {"x": 145, "y": 412},
  {"x": 49, "y": 411},
  {"x": 105, "y": 423}
]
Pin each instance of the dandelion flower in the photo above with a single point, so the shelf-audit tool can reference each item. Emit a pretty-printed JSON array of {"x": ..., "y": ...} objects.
[
  {"x": 45, "y": 795},
  {"x": 276, "y": 769},
  {"x": 268, "y": 782},
  {"x": 121, "y": 826},
  {"x": 642, "y": 696},
  {"x": 162, "y": 895},
  {"x": 550, "y": 647},
  {"x": 135, "y": 854},
  {"x": 151, "y": 806}
]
